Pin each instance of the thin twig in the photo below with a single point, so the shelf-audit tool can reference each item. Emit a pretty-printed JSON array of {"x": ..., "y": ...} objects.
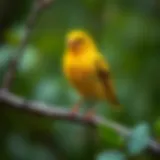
[
  {"x": 37, "y": 8},
  {"x": 59, "y": 113}
]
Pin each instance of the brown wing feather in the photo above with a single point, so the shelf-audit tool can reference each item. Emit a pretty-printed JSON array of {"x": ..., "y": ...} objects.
[{"x": 105, "y": 78}]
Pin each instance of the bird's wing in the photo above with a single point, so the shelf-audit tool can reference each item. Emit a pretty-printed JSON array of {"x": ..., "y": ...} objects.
[{"x": 104, "y": 76}]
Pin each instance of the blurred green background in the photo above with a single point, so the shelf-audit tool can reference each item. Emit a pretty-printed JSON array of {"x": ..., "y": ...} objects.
[{"x": 128, "y": 34}]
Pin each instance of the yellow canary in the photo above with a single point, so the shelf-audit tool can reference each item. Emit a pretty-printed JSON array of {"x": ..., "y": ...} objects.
[{"x": 85, "y": 68}]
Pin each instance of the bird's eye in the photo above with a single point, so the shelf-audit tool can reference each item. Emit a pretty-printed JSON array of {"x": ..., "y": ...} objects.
[
  {"x": 76, "y": 44},
  {"x": 79, "y": 41}
]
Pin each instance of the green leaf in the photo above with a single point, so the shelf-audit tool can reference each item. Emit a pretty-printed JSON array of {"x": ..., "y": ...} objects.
[
  {"x": 21, "y": 142},
  {"x": 139, "y": 139},
  {"x": 109, "y": 136},
  {"x": 157, "y": 127},
  {"x": 15, "y": 34},
  {"x": 40, "y": 152},
  {"x": 5, "y": 55},
  {"x": 46, "y": 89},
  {"x": 111, "y": 155},
  {"x": 29, "y": 59}
]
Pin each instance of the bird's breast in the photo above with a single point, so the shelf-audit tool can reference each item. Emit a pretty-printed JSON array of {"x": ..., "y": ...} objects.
[
  {"x": 82, "y": 75},
  {"x": 86, "y": 82},
  {"x": 79, "y": 74}
]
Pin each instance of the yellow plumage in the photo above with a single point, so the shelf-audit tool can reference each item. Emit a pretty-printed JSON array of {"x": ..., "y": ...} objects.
[{"x": 85, "y": 68}]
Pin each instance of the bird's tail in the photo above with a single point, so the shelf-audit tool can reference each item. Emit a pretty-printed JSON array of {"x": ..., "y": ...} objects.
[{"x": 115, "y": 104}]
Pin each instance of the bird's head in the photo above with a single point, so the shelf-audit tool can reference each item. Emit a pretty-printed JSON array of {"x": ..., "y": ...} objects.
[{"x": 79, "y": 42}]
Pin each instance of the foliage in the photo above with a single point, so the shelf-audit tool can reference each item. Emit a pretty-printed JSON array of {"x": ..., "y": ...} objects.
[
  {"x": 139, "y": 139},
  {"x": 111, "y": 155}
]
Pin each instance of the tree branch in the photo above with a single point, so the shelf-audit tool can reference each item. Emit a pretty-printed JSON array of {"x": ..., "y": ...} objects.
[
  {"x": 57, "y": 113},
  {"x": 37, "y": 8}
]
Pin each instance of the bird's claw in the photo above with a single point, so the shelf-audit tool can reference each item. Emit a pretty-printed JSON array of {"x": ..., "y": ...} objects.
[
  {"x": 75, "y": 110},
  {"x": 89, "y": 115}
]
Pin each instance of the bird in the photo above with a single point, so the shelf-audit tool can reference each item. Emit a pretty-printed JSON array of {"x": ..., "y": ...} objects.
[{"x": 87, "y": 70}]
